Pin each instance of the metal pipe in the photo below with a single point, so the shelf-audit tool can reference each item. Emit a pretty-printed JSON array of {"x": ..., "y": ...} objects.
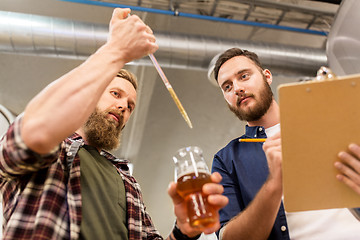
[{"x": 47, "y": 36}]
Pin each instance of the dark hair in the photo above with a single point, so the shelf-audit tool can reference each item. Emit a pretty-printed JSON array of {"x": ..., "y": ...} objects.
[
  {"x": 234, "y": 52},
  {"x": 125, "y": 74}
]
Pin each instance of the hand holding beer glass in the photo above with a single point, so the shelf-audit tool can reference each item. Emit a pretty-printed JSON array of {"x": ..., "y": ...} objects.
[{"x": 191, "y": 173}]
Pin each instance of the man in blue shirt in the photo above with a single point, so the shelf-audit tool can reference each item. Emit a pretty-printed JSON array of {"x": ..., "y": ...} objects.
[{"x": 251, "y": 171}]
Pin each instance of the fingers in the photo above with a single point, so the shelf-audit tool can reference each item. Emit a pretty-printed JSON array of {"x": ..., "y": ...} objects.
[
  {"x": 355, "y": 150},
  {"x": 214, "y": 187},
  {"x": 218, "y": 201},
  {"x": 272, "y": 149},
  {"x": 348, "y": 177},
  {"x": 216, "y": 177},
  {"x": 121, "y": 13},
  {"x": 349, "y": 168},
  {"x": 152, "y": 40},
  {"x": 273, "y": 153},
  {"x": 351, "y": 161},
  {"x": 274, "y": 141},
  {"x": 214, "y": 192},
  {"x": 147, "y": 34},
  {"x": 148, "y": 29},
  {"x": 129, "y": 37}
]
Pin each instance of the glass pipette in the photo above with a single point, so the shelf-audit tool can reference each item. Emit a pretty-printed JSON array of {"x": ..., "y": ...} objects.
[{"x": 171, "y": 90}]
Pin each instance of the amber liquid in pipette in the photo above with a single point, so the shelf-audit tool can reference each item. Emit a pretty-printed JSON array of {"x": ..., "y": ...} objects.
[{"x": 180, "y": 107}]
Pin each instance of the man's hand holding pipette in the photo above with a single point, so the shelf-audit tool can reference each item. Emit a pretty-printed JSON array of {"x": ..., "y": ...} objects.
[{"x": 137, "y": 39}]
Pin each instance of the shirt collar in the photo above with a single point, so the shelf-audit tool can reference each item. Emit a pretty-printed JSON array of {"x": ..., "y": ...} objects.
[{"x": 255, "y": 132}]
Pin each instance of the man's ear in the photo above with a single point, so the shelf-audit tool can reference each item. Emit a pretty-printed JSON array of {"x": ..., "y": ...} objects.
[{"x": 268, "y": 76}]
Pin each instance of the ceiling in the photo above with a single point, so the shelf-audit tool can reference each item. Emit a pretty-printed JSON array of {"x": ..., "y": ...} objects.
[{"x": 157, "y": 129}]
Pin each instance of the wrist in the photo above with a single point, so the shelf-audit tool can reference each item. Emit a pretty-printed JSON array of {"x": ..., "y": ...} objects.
[
  {"x": 274, "y": 187},
  {"x": 180, "y": 236},
  {"x": 111, "y": 56}
]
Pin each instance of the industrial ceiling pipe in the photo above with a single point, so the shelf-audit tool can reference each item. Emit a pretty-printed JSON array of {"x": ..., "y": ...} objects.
[{"x": 61, "y": 38}]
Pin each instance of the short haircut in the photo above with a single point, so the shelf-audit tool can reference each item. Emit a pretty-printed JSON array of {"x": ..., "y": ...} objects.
[
  {"x": 234, "y": 52},
  {"x": 125, "y": 74}
]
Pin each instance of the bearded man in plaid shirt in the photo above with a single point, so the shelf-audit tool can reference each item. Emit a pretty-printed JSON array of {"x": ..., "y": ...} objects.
[{"x": 60, "y": 187}]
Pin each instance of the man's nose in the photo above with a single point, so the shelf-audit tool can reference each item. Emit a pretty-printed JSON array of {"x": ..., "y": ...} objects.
[
  {"x": 238, "y": 88},
  {"x": 121, "y": 105}
]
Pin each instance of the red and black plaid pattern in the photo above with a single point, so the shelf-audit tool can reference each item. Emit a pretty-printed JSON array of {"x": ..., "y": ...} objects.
[{"x": 38, "y": 202}]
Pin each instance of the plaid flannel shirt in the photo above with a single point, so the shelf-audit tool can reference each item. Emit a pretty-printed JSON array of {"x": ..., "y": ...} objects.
[{"x": 42, "y": 201}]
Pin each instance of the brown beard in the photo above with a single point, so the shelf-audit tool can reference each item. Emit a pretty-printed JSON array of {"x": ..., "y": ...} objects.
[
  {"x": 261, "y": 107},
  {"x": 102, "y": 132}
]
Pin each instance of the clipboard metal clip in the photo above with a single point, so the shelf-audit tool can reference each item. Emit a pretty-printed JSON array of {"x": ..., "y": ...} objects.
[{"x": 325, "y": 74}]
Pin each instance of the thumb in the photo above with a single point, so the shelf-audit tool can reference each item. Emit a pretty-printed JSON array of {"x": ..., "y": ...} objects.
[{"x": 176, "y": 198}]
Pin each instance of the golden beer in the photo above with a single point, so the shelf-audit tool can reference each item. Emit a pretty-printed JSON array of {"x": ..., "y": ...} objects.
[{"x": 200, "y": 213}]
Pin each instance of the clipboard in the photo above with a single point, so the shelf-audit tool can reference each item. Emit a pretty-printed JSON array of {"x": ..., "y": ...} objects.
[{"x": 318, "y": 119}]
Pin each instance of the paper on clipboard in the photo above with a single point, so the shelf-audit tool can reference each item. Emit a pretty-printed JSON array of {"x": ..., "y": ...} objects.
[{"x": 318, "y": 120}]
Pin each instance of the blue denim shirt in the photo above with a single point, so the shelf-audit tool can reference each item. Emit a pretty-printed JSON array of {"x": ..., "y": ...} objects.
[{"x": 244, "y": 169}]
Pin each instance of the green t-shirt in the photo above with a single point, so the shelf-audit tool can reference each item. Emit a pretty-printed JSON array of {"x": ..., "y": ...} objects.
[{"x": 103, "y": 198}]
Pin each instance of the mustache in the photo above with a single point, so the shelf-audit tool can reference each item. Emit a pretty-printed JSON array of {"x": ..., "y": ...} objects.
[
  {"x": 241, "y": 96},
  {"x": 118, "y": 113}
]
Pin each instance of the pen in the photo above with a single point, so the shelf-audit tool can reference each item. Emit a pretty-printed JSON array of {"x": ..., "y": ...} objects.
[{"x": 252, "y": 139}]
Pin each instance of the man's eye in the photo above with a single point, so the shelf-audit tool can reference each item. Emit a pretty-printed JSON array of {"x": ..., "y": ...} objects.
[
  {"x": 245, "y": 76},
  {"x": 116, "y": 94},
  {"x": 227, "y": 87}
]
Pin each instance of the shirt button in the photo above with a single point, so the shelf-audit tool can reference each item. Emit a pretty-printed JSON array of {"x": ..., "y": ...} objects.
[
  {"x": 260, "y": 129},
  {"x": 69, "y": 154},
  {"x": 283, "y": 228}
]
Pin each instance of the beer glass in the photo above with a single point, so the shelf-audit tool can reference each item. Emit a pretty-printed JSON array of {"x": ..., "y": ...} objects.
[{"x": 191, "y": 173}]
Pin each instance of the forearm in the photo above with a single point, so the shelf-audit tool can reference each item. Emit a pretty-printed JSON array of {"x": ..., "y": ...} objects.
[
  {"x": 65, "y": 104},
  {"x": 257, "y": 220}
]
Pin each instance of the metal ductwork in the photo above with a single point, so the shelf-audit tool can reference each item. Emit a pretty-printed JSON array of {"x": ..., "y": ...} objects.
[{"x": 53, "y": 37}]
